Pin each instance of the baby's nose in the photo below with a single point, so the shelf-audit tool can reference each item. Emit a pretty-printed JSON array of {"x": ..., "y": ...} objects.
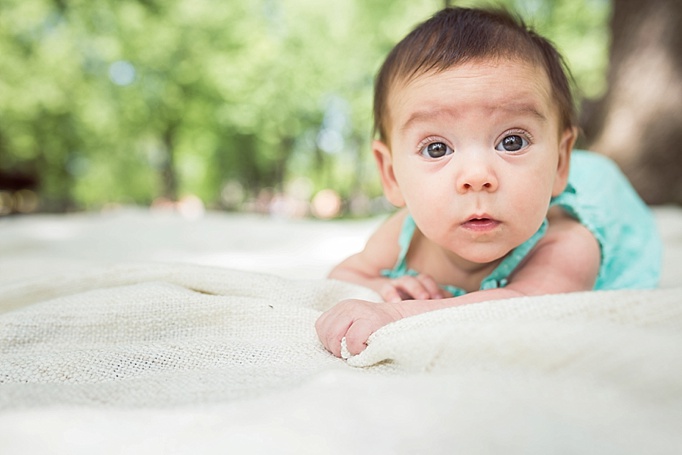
[{"x": 476, "y": 175}]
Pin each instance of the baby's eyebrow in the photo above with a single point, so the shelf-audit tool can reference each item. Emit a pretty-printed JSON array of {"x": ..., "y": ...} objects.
[
  {"x": 427, "y": 116},
  {"x": 523, "y": 109},
  {"x": 430, "y": 115}
]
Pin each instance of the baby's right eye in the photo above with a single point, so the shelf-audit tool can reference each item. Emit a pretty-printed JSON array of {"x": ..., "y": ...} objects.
[{"x": 436, "y": 150}]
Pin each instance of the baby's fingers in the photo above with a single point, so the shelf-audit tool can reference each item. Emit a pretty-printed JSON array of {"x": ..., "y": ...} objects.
[
  {"x": 355, "y": 320},
  {"x": 410, "y": 287},
  {"x": 421, "y": 287},
  {"x": 430, "y": 285},
  {"x": 330, "y": 330},
  {"x": 390, "y": 293},
  {"x": 357, "y": 335}
]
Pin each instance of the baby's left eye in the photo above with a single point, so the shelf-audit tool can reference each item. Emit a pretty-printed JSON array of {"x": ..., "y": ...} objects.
[
  {"x": 436, "y": 150},
  {"x": 512, "y": 143}
]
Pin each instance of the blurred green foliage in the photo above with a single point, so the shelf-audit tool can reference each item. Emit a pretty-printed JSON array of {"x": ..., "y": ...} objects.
[{"x": 126, "y": 101}]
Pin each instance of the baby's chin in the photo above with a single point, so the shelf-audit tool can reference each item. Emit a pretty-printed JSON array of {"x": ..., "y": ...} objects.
[{"x": 482, "y": 255}]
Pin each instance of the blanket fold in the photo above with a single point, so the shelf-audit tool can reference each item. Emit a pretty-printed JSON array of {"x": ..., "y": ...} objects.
[
  {"x": 148, "y": 342},
  {"x": 180, "y": 334}
]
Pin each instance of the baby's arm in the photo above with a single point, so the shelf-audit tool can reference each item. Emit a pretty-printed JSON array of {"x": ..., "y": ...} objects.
[
  {"x": 381, "y": 252},
  {"x": 566, "y": 260}
]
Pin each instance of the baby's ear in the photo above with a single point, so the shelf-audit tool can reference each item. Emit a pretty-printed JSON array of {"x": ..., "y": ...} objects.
[
  {"x": 384, "y": 159},
  {"x": 566, "y": 143}
]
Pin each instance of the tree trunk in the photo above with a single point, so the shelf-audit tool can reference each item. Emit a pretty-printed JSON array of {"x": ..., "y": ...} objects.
[
  {"x": 169, "y": 178},
  {"x": 638, "y": 122}
]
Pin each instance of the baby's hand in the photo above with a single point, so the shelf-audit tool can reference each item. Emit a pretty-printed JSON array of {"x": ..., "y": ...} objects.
[
  {"x": 420, "y": 287},
  {"x": 354, "y": 320}
]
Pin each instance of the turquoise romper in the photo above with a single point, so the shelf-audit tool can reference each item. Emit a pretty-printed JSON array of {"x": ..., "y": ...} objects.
[{"x": 601, "y": 198}]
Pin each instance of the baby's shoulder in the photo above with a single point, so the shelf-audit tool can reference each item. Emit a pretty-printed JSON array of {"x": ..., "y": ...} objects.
[{"x": 564, "y": 228}]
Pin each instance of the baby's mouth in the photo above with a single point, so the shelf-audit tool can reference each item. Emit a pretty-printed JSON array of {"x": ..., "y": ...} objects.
[{"x": 480, "y": 223}]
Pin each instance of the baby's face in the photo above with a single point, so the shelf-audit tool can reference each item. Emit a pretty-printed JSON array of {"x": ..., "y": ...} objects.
[{"x": 476, "y": 154}]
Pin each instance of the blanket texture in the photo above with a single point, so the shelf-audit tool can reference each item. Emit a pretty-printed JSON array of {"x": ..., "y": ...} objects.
[{"x": 161, "y": 358}]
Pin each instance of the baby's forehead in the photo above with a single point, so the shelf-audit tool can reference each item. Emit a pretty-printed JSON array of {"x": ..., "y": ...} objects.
[{"x": 494, "y": 81}]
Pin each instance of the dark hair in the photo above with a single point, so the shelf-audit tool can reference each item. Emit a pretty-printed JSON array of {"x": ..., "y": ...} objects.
[{"x": 458, "y": 35}]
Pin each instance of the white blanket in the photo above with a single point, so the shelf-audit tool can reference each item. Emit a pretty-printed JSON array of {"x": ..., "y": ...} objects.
[{"x": 183, "y": 358}]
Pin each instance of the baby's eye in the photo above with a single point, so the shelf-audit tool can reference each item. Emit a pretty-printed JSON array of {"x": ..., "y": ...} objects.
[
  {"x": 512, "y": 143},
  {"x": 436, "y": 150}
]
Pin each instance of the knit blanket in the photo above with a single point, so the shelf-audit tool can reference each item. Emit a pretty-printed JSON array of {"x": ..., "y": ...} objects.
[{"x": 178, "y": 358}]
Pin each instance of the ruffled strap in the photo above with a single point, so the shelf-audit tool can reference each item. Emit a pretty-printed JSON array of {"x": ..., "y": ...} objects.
[{"x": 404, "y": 240}]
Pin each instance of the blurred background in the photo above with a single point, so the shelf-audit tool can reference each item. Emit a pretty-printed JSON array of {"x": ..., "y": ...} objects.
[{"x": 265, "y": 106}]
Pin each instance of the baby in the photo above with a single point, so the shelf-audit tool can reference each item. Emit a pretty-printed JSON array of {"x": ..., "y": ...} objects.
[{"x": 476, "y": 126}]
